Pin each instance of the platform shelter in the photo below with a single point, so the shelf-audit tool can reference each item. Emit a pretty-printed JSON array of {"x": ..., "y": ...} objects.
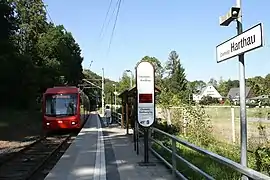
[{"x": 128, "y": 98}]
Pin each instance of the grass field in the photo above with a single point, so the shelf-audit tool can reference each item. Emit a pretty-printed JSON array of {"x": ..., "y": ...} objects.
[{"x": 221, "y": 118}]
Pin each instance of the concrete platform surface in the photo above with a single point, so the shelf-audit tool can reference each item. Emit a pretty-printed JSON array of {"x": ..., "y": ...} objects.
[
  {"x": 105, "y": 153},
  {"x": 127, "y": 160},
  {"x": 84, "y": 159}
]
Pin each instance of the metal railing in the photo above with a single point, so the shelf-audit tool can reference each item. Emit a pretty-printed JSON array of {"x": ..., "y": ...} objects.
[
  {"x": 117, "y": 117},
  {"x": 220, "y": 159},
  {"x": 176, "y": 157}
]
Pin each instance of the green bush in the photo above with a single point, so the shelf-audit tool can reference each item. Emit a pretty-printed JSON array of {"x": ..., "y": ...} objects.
[
  {"x": 207, "y": 100},
  {"x": 228, "y": 102},
  {"x": 265, "y": 102}
]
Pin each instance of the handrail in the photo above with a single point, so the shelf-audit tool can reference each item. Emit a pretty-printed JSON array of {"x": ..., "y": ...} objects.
[
  {"x": 117, "y": 117},
  {"x": 229, "y": 163}
]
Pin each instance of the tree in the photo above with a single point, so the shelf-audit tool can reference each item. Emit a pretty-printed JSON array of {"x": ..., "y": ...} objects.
[
  {"x": 32, "y": 22},
  {"x": 196, "y": 86},
  {"x": 8, "y": 54},
  {"x": 172, "y": 63},
  {"x": 267, "y": 84},
  {"x": 34, "y": 54},
  {"x": 94, "y": 92},
  {"x": 176, "y": 80},
  {"x": 213, "y": 82},
  {"x": 124, "y": 82},
  {"x": 257, "y": 85},
  {"x": 222, "y": 87}
]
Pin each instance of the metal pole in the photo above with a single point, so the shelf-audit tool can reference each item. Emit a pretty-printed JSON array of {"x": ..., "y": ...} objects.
[
  {"x": 112, "y": 104},
  {"x": 102, "y": 92},
  {"x": 233, "y": 126},
  {"x": 146, "y": 156},
  {"x": 115, "y": 99},
  {"x": 131, "y": 79},
  {"x": 242, "y": 89}
]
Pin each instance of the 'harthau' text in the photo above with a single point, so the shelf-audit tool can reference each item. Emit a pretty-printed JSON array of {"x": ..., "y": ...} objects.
[{"x": 242, "y": 43}]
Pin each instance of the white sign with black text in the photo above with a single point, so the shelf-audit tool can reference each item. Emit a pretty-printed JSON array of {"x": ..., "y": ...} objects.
[
  {"x": 247, "y": 41},
  {"x": 145, "y": 80}
]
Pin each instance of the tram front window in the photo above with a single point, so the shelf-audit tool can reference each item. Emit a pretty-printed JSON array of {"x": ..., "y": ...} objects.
[{"x": 61, "y": 105}]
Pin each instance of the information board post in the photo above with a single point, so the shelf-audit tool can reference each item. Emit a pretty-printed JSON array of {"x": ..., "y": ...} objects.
[
  {"x": 137, "y": 137},
  {"x": 145, "y": 84},
  {"x": 136, "y": 127}
]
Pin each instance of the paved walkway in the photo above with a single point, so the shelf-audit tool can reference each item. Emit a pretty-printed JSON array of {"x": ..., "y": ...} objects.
[
  {"x": 105, "y": 153},
  {"x": 126, "y": 159}
]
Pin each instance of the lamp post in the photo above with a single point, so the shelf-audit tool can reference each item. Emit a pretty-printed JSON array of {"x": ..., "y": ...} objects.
[
  {"x": 114, "y": 97},
  {"x": 102, "y": 92},
  {"x": 131, "y": 76}
]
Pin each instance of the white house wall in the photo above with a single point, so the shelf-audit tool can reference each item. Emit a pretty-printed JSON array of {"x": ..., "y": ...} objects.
[{"x": 211, "y": 91}]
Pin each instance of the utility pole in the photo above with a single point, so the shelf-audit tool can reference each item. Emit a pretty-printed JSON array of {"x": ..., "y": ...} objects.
[
  {"x": 242, "y": 92},
  {"x": 114, "y": 97},
  {"x": 131, "y": 81},
  {"x": 102, "y": 93}
]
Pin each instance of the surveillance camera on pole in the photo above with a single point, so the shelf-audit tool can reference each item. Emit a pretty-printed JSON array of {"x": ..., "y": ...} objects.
[{"x": 230, "y": 16}]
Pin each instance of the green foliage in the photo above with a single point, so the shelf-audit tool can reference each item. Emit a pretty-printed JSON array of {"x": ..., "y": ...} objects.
[
  {"x": 265, "y": 102},
  {"x": 124, "y": 82},
  {"x": 262, "y": 151},
  {"x": 174, "y": 89},
  {"x": 193, "y": 123},
  {"x": 168, "y": 99},
  {"x": 227, "y": 102},
  {"x": 176, "y": 79},
  {"x": 94, "y": 92},
  {"x": 213, "y": 82},
  {"x": 34, "y": 54},
  {"x": 196, "y": 86},
  {"x": 263, "y": 158},
  {"x": 208, "y": 100}
]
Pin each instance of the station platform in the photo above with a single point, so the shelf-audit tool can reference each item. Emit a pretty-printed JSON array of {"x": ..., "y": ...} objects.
[{"x": 105, "y": 153}]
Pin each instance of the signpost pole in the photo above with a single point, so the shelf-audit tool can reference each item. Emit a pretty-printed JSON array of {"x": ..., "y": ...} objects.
[
  {"x": 237, "y": 46},
  {"x": 242, "y": 92},
  {"x": 146, "y": 140},
  {"x": 134, "y": 127},
  {"x": 134, "y": 137}
]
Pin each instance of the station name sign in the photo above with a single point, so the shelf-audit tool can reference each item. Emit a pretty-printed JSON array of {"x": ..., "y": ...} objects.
[{"x": 249, "y": 40}]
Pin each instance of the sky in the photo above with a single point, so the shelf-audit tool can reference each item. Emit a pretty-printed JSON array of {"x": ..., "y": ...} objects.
[{"x": 155, "y": 28}]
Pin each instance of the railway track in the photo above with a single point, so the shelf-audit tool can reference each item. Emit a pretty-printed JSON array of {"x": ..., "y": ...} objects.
[{"x": 27, "y": 163}]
